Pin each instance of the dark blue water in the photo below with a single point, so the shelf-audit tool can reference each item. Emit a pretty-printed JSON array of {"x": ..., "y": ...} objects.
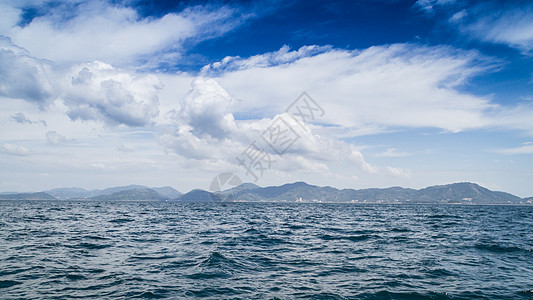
[{"x": 57, "y": 250}]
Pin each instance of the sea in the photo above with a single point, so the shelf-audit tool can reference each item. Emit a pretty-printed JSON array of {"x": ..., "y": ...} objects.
[{"x": 176, "y": 250}]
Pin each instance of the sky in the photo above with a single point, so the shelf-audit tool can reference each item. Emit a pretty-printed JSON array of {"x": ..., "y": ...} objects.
[{"x": 350, "y": 94}]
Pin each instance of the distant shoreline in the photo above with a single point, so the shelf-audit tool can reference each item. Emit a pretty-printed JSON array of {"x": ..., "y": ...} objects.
[
  {"x": 266, "y": 202},
  {"x": 462, "y": 193}
]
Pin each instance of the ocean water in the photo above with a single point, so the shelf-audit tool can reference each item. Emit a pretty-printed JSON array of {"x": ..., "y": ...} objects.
[{"x": 84, "y": 249}]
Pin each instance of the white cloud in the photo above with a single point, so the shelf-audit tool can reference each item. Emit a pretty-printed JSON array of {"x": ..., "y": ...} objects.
[
  {"x": 21, "y": 75},
  {"x": 392, "y": 152},
  {"x": 509, "y": 26},
  {"x": 515, "y": 118},
  {"x": 54, "y": 138},
  {"x": 90, "y": 91},
  {"x": 97, "y": 91},
  {"x": 22, "y": 119},
  {"x": 401, "y": 85},
  {"x": 503, "y": 22},
  {"x": 98, "y": 30},
  {"x": 204, "y": 127},
  {"x": 280, "y": 57},
  {"x": 124, "y": 148},
  {"x": 9, "y": 15},
  {"x": 206, "y": 110},
  {"x": 458, "y": 16},
  {"x": 398, "y": 172},
  {"x": 13, "y": 149},
  {"x": 527, "y": 148},
  {"x": 428, "y": 6},
  {"x": 380, "y": 89},
  {"x": 205, "y": 131}
]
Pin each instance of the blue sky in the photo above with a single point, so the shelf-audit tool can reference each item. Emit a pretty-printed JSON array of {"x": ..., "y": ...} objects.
[{"x": 414, "y": 93}]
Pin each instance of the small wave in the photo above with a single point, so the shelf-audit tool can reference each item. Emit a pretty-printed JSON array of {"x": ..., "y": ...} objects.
[
  {"x": 252, "y": 231},
  {"x": 208, "y": 275},
  {"x": 174, "y": 265},
  {"x": 262, "y": 240},
  {"x": 216, "y": 259},
  {"x": 212, "y": 292},
  {"x": 94, "y": 287},
  {"x": 96, "y": 271},
  {"x": 151, "y": 257},
  {"x": 399, "y": 295},
  {"x": 109, "y": 276},
  {"x": 18, "y": 270},
  {"x": 400, "y": 230},
  {"x": 121, "y": 220},
  {"x": 342, "y": 270},
  {"x": 74, "y": 277},
  {"x": 498, "y": 248},
  {"x": 440, "y": 216},
  {"x": 335, "y": 229},
  {"x": 358, "y": 238},
  {"x": 8, "y": 283},
  {"x": 216, "y": 265},
  {"x": 38, "y": 218},
  {"x": 451, "y": 223},
  {"x": 90, "y": 246},
  {"x": 439, "y": 272},
  {"x": 54, "y": 209},
  {"x": 296, "y": 227},
  {"x": 326, "y": 295},
  {"x": 147, "y": 295},
  {"x": 363, "y": 257},
  {"x": 353, "y": 238},
  {"x": 93, "y": 237}
]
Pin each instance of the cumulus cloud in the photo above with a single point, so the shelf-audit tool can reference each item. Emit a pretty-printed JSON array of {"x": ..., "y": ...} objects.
[
  {"x": 206, "y": 110},
  {"x": 206, "y": 130},
  {"x": 97, "y": 91},
  {"x": 99, "y": 30},
  {"x": 90, "y": 91},
  {"x": 22, "y": 119},
  {"x": 204, "y": 127},
  {"x": 13, "y": 149},
  {"x": 23, "y": 76}
]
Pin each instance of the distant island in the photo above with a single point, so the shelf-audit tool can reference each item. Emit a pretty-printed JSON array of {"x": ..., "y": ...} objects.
[{"x": 455, "y": 193}]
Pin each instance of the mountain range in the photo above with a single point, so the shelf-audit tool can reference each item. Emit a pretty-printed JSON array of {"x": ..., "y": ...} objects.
[
  {"x": 455, "y": 193},
  {"x": 70, "y": 193}
]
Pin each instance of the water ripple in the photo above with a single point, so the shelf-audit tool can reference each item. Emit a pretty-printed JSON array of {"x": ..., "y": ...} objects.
[{"x": 84, "y": 249}]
